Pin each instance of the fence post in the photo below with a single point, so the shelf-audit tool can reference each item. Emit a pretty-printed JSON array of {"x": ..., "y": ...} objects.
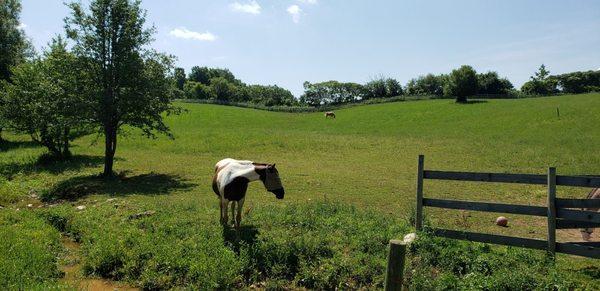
[
  {"x": 395, "y": 267},
  {"x": 552, "y": 211},
  {"x": 419, "y": 214}
]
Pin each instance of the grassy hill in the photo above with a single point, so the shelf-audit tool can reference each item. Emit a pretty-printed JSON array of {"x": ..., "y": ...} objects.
[{"x": 366, "y": 157}]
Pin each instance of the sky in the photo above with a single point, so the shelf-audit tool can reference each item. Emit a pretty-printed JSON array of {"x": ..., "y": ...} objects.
[{"x": 287, "y": 42}]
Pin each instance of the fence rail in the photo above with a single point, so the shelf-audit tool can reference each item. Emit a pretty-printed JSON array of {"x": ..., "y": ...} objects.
[{"x": 556, "y": 210}]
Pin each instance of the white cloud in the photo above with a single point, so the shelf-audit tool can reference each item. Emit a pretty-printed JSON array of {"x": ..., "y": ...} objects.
[
  {"x": 295, "y": 11},
  {"x": 308, "y": 1},
  {"x": 251, "y": 7},
  {"x": 184, "y": 33},
  {"x": 22, "y": 26}
]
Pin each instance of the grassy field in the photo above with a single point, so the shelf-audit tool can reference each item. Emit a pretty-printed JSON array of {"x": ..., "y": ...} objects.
[{"x": 349, "y": 184}]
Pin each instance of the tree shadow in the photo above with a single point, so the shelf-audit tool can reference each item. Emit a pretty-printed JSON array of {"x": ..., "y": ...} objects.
[
  {"x": 472, "y": 102},
  {"x": 7, "y": 145},
  {"x": 144, "y": 184},
  {"x": 236, "y": 238},
  {"x": 49, "y": 164}
]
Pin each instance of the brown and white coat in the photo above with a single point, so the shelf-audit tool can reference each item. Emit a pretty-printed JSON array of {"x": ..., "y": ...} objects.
[{"x": 230, "y": 183}]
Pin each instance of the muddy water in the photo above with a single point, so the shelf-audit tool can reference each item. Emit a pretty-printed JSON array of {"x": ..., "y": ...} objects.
[{"x": 73, "y": 276}]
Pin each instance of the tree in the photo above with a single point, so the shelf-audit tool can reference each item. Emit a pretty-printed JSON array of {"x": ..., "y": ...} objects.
[
  {"x": 270, "y": 95},
  {"x": 462, "y": 82},
  {"x": 541, "y": 74},
  {"x": 490, "y": 83},
  {"x": 376, "y": 88},
  {"x": 14, "y": 47},
  {"x": 540, "y": 84},
  {"x": 429, "y": 84},
  {"x": 195, "y": 90},
  {"x": 224, "y": 90},
  {"x": 392, "y": 87},
  {"x": 179, "y": 77},
  {"x": 44, "y": 99},
  {"x": 131, "y": 84},
  {"x": 204, "y": 74}
]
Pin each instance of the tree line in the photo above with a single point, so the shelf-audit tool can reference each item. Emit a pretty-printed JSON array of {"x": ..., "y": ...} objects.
[{"x": 221, "y": 85}]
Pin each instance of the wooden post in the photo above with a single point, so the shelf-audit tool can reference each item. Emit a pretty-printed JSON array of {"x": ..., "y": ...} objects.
[
  {"x": 395, "y": 267},
  {"x": 552, "y": 211},
  {"x": 419, "y": 214}
]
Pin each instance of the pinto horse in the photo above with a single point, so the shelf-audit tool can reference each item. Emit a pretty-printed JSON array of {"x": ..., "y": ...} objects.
[
  {"x": 330, "y": 114},
  {"x": 230, "y": 183},
  {"x": 586, "y": 233}
]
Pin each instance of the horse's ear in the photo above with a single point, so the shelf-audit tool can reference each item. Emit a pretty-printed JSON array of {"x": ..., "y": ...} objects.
[{"x": 273, "y": 166}]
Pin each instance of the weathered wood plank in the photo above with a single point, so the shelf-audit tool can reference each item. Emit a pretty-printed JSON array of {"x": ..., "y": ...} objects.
[
  {"x": 579, "y": 181},
  {"x": 577, "y": 203},
  {"x": 552, "y": 210},
  {"x": 579, "y": 215},
  {"x": 419, "y": 214},
  {"x": 486, "y": 207},
  {"x": 570, "y": 224},
  {"x": 578, "y": 250},
  {"x": 395, "y": 268},
  {"x": 486, "y": 177},
  {"x": 492, "y": 238}
]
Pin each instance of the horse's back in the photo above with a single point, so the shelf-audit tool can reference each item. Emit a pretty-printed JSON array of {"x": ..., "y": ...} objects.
[{"x": 225, "y": 169}]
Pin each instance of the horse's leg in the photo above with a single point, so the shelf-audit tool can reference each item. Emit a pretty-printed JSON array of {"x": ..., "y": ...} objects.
[
  {"x": 233, "y": 203},
  {"x": 224, "y": 218},
  {"x": 238, "y": 217}
]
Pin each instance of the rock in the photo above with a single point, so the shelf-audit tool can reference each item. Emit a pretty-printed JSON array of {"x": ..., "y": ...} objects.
[
  {"x": 111, "y": 199},
  {"x": 142, "y": 214},
  {"x": 29, "y": 205},
  {"x": 502, "y": 221},
  {"x": 409, "y": 238},
  {"x": 80, "y": 207},
  {"x": 33, "y": 194}
]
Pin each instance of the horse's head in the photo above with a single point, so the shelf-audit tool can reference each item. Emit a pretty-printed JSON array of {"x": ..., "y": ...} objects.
[{"x": 273, "y": 182}]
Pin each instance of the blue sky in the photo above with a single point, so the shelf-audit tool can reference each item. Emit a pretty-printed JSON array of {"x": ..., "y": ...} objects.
[{"x": 287, "y": 42}]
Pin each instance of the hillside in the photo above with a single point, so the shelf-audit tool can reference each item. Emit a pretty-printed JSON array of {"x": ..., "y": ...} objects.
[{"x": 366, "y": 157}]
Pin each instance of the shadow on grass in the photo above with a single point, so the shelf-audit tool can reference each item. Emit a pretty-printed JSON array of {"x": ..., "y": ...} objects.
[
  {"x": 121, "y": 185},
  {"x": 472, "y": 102},
  {"x": 6, "y": 145},
  {"x": 235, "y": 238},
  {"x": 46, "y": 163}
]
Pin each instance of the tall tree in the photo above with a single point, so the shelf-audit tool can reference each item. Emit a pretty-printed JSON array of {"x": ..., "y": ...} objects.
[
  {"x": 13, "y": 44},
  {"x": 132, "y": 81}
]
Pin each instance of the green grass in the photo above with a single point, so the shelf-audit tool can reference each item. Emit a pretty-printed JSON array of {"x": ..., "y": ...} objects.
[{"x": 365, "y": 158}]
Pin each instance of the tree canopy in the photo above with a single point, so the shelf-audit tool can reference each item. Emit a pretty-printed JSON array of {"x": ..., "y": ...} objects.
[{"x": 462, "y": 82}]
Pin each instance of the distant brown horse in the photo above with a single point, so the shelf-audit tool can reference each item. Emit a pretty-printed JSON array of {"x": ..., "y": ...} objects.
[
  {"x": 586, "y": 233},
  {"x": 329, "y": 114}
]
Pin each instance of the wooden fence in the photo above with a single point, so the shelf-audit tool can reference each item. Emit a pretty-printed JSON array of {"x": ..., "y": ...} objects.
[{"x": 557, "y": 209}]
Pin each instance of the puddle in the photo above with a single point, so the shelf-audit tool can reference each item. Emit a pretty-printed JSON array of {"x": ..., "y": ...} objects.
[{"x": 73, "y": 276}]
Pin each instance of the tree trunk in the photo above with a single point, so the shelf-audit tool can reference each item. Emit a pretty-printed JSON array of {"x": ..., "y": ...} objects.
[
  {"x": 66, "y": 153},
  {"x": 110, "y": 146}
]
